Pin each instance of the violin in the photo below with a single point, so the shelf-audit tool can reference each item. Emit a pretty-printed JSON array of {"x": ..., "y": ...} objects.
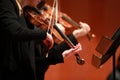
[
  {"x": 39, "y": 20},
  {"x": 48, "y": 10}
]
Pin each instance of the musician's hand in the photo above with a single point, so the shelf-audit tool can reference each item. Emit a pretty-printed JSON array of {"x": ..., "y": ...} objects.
[
  {"x": 85, "y": 28},
  {"x": 71, "y": 51},
  {"x": 49, "y": 41}
]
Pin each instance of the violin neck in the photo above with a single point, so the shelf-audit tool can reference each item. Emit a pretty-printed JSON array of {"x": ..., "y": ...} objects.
[
  {"x": 71, "y": 21},
  {"x": 67, "y": 40}
]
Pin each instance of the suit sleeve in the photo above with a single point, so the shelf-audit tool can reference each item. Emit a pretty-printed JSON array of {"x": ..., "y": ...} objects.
[
  {"x": 11, "y": 27},
  {"x": 55, "y": 54}
]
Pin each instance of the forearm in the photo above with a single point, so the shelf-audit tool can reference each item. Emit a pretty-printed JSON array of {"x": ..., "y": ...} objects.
[{"x": 55, "y": 54}]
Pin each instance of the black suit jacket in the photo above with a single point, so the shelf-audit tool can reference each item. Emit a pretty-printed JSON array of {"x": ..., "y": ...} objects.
[
  {"x": 21, "y": 58},
  {"x": 17, "y": 50}
]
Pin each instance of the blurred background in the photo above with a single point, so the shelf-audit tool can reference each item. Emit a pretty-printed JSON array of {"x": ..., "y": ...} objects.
[{"x": 103, "y": 16}]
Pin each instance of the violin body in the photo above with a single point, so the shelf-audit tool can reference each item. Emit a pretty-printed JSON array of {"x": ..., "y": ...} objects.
[{"x": 41, "y": 21}]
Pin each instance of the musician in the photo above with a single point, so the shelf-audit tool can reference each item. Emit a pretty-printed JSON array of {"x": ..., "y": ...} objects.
[{"x": 23, "y": 47}]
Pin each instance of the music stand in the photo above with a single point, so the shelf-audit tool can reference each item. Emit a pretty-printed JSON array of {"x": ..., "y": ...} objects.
[{"x": 107, "y": 47}]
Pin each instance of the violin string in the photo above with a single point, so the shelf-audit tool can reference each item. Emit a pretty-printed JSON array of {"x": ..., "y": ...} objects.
[
  {"x": 19, "y": 6},
  {"x": 56, "y": 12},
  {"x": 51, "y": 18}
]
